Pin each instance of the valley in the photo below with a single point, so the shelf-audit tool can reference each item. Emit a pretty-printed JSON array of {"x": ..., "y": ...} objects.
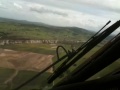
[{"x": 27, "y": 48}]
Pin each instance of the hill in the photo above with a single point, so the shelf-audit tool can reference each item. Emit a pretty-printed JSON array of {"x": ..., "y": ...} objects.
[
  {"x": 20, "y": 29},
  {"x": 20, "y": 21}
]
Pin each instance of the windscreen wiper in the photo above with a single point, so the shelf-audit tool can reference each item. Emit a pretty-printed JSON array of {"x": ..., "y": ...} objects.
[
  {"x": 97, "y": 54},
  {"x": 74, "y": 52},
  {"x": 108, "y": 57},
  {"x": 90, "y": 44}
]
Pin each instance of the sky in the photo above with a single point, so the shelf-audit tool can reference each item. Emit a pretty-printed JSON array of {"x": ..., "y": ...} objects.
[{"x": 88, "y": 14}]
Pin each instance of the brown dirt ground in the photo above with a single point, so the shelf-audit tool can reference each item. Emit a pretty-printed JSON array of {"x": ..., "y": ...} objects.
[{"x": 24, "y": 60}]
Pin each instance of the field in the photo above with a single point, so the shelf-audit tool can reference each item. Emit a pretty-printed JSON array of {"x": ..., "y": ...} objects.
[
  {"x": 23, "y": 59},
  {"x": 18, "y": 30},
  {"x": 24, "y": 74},
  {"x": 36, "y": 48},
  {"x": 19, "y": 66},
  {"x": 21, "y": 77},
  {"x": 20, "y": 62}
]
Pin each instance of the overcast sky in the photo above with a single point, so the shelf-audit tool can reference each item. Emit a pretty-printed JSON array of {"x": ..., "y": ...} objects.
[{"x": 88, "y": 14}]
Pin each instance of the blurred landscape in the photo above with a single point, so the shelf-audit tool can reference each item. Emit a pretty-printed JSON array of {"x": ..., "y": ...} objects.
[{"x": 26, "y": 48}]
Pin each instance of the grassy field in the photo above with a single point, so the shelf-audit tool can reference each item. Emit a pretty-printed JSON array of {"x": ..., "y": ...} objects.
[
  {"x": 26, "y": 31},
  {"x": 21, "y": 77},
  {"x": 4, "y": 74},
  {"x": 36, "y": 48},
  {"x": 38, "y": 83},
  {"x": 46, "y": 49},
  {"x": 20, "y": 31}
]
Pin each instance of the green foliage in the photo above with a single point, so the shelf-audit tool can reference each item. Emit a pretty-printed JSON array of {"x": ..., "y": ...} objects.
[
  {"x": 21, "y": 77},
  {"x": 28, "y": 31},
  {"x": 4, "y": 74}
]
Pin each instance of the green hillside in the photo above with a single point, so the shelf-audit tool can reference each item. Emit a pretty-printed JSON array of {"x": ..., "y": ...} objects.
[{"x": 15, "y": 29}]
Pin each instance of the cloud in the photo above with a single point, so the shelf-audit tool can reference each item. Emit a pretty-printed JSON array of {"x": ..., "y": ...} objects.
[
  {"x": 80, "y": 13},
  {"x": 2, "y": 6},
  {"x": 74, "y": 18},
  {"x": 66, "y": 17},
  {"x": 43, "y": 9},
  {"x": 112, "y": 5},
  {"x": 17, "y": 5}
]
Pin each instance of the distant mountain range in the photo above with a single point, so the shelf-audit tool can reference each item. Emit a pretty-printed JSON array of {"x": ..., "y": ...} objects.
[{"x": 20, "y": 21}]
